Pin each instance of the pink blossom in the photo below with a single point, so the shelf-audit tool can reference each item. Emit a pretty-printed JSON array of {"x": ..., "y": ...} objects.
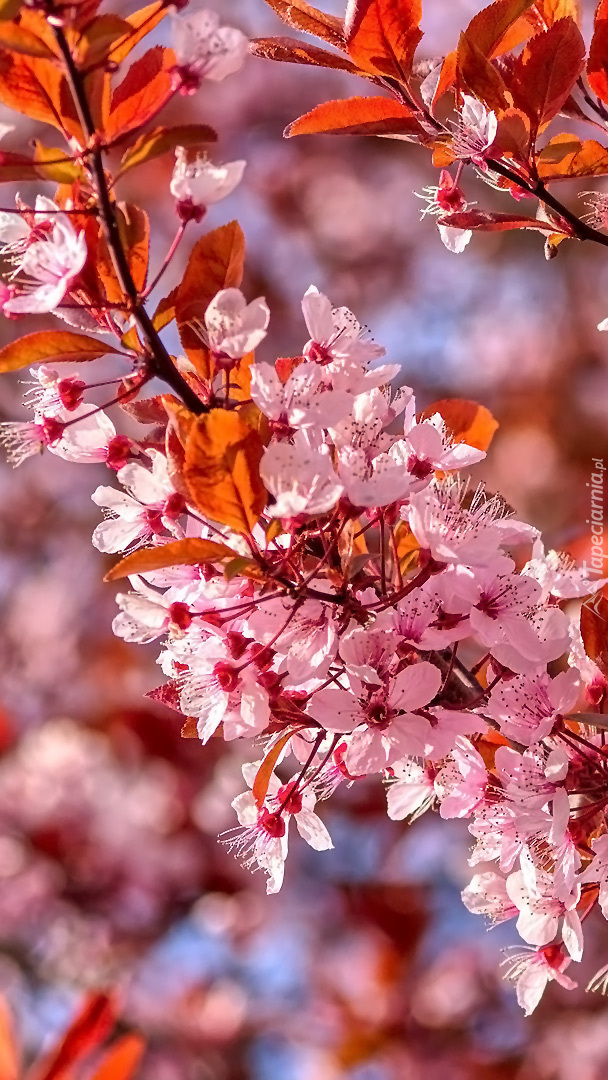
[
  {"x": 461, "y": 785},
  {"x": 48, "y": 267},
  {"x": 475, "y": 131},
  {"x": 300, "y": 401},
  {"x": 410, "y": 791},
  {"x": 430, "y": 448},
  {"x": 597, "y": 871},
  {"x": 235, "y": 327},
  {"x": 532, "y": 969},
  {"x": 540, "y": 912},
  {"x": 149, "y": 506},
  {"x": 218, "y": 690},
  {"x": 199, "y": 183},
  {"x": 486, "y": 894},
  {"x": 205, "y": 49},
  {"x": 301, "y": 477},
  {"x": 526, "y": 708}
]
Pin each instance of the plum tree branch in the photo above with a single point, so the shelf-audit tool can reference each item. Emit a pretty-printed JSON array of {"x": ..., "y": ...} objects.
[{"x": 160, "y": 360}]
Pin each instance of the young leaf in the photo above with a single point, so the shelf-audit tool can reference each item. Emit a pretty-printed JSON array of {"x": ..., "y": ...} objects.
[
  {"x": 496, "y": 28},
  {"x": 382, "y": 35},
  {"x": 565, "y": 156},
  {"x": 292, "y": 51},
  {"x": 301, "y": 15},
  {"x": 163, "y": 139},
  {"x": 477, "y": 219},
  {"x": 259, "y": 789},
  {"x": 140, "y": 23},
  {"x": 594, "y": 630},
  {"x": 51, "y": 346},
  {"x": 62, "y": 170},
  {"x": 480, "y": 76},
  {"x": 547, "y": 70},
  {"x": 466, "y": 421},
  {"x": 18, "y": 39},
  {"x": 144, "y": 91},
  {"x": 597, "y": 65},
  {"x": 190, "y": 552},
  {"x": 357, "y": 116},
  {"x": 222, "y": 470},
  {"x": 121, "y": 1060},
  {"x": 216, "y": 262},
  {"x": 9, "y": 1054},
  {"x": 88, "y": 1030}
]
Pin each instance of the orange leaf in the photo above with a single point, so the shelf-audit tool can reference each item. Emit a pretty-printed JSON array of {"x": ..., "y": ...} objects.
[
  {"x": 292, "y": 51},
  {"x": 19, "y": 39},
  {"x": 51, "y": 346},
  {"x": 162, "y": 139},
  {"x": 222, "y": 470},
  {"x": 216, "y": 262},
  {"x": 382, "y": 35},
  {"x": 547, "y": 70},
  {"x": 9, "y": 1055},
  {"x": 496, "y": 29},
  {"x": 121, "y": 1060},
  {"x": 16, "y": 167},
  {"x": 190, "y": 552},
  {"x": 480, "y": 76},
  {"x": 266, "y": 769},
  {"x": 135, "y": 234},
  {"x": 477, "y": 219},
  {"x": 144, "y": 91},
  {"x": 301, "y": 15},
  {"x": 552, "y": 10},
  {"x": 22, "y": 90},
  {"x": 597, "y": 65},
  {"x": 141, "y": 22},
  {"x": 566, "y": 156},
  {"x": 88, "y": 1030},
  {"x": 357, "y": 116},
  {"x": 98, "y": 36},
  {"x": 466, "y": 421},
  {"x": 594, "y": 629}
]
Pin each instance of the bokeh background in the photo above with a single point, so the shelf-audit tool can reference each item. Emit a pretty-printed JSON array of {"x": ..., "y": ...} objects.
[{"x": 366, "y": 966}]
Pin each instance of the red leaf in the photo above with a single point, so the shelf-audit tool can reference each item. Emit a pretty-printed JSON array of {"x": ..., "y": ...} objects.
[
  {"x": 480, "y": 76},
  {"x": 382, "y": 35},
  {"x": 143, "y": 92},
  {"x": 597, "y": 66},
  {"x": 357, "y": 116},
  {"x": 547, "y": 70},
  {"x": 565, "y": 156},
  {"x": 216, "y": 262},
  {"x": 301, "y": 15},
  {"x": 51, "y": 346},
  {"x": 89, "y": 1029},
  {"x": 163, "y": 139},
  {"x": 476, "y": 219},
  {"x": 292, "y": 51},
  {"x": 496, "y": 29},
  {"x": 121, "y": 1060}
]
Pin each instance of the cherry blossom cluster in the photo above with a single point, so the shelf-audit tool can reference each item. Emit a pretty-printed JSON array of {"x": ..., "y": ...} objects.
[{"x": 376, "y": 613}]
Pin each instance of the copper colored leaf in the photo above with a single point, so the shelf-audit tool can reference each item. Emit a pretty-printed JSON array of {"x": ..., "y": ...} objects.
[
  {"x": 21, "y": 89},
  {"x": 477, "y": 219},
  {"x": 552, "y": 10},
  {"x": 141, "y": 22},
  {"x": 216, "y": 262},
  {"x": 164, "y": 139},
  {"x": 121, "y": 1061},
  {"x": 480, "y": 76},
  {"x": 357, "y": 116},
  {"x": 9, "y": 8},
  {"x": 135, "y": 235},
  {"x": 466, "y": 421},
  {"x": 597, "y": 65},
  {"x": 98, "y": 37},
  {"x": 144, "y": 91},
  {"x": 88, "y": 1030},
  {"x": 594, "y": 629},
  {"x": 547, "y": 70},
  {"x": 9, "y": 1054},
  {"x": 495, "y": 29},
  {"x": 222, "y": 470},
  {"x": 292, "y": 51},
  {"x": 565, "y": 156},
  {"x": 301, "y": 15},
  {"x": 16, "y": 167},
  {"x": 51, "y": 346},
  {"x": 18, "y": 39},
  {"x": 382, "y": 35},
  {"x": 266, "y": 769},
  {"x": 190, "y": 552},
  {"x": 62, "y": 170}
]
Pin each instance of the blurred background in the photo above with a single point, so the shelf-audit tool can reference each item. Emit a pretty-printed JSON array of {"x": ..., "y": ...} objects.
[{"x": 366, "y": 966}]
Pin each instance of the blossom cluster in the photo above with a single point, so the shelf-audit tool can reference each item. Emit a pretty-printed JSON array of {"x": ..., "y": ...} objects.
[{"x": 299, "y": 536}]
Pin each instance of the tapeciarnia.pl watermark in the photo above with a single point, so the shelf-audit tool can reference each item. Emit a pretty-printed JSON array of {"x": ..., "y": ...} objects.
[{"x": 595, "y": 567}]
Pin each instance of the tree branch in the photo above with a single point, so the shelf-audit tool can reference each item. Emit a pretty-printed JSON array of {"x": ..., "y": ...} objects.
[{"x": 160, "y": 360}]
